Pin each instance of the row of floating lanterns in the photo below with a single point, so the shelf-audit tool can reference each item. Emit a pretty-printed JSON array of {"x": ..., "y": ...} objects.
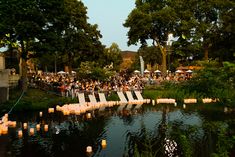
[
  {"x": 186, "y": 101},
  {"x": 78, "y": 109}
]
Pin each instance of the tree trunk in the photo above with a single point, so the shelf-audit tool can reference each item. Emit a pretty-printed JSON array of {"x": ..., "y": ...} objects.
[
  {"x": 163, "y": 51},
  {"x": 206, "y": 53},
  {"x": 164, "y": 68},
  {"x": 23, "y": 67},
  {"x": 70, "y": 61}
]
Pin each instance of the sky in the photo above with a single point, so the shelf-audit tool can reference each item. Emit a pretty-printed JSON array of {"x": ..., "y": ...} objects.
[{"x": 110, "y": 15}]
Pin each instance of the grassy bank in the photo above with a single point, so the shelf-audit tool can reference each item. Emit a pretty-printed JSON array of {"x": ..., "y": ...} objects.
[{"x": 33, "y": 99}]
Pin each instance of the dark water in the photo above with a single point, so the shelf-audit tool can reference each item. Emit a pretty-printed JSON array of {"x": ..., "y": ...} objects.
[{"x": 128, "y": 132}]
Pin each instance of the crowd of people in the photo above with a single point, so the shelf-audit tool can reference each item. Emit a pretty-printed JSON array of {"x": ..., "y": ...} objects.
[{"x": 68, "y": 85}]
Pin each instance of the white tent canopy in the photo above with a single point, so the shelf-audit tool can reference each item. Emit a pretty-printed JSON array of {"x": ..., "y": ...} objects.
[
  {"x": 136, "y": 71},
  {"x": 61, "y": 72},
  {"x": 157, "y": 71},
  {"x": 178, "y": 71},
  {"x": 146, "y": 71},
  {"x": 189, "y": 71},
  {"x": 73, "y": 72}
]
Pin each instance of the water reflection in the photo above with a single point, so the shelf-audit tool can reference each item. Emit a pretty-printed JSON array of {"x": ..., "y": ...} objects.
[{"x": 146, "y": 131}]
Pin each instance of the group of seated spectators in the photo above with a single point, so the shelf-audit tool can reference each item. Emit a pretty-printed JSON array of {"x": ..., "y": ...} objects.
[{"x": 68, "y": 85}]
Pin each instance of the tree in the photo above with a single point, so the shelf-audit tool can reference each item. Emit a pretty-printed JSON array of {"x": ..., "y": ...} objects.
[
  {"x": 55, "y": 26},
  {"x": 22, "y": 22},
  {"x": 223, "y": 44},
  {"x": 112, "y": 56},
  {"x": 151, "y": 20},
  {"x": 194, "y": 23}
]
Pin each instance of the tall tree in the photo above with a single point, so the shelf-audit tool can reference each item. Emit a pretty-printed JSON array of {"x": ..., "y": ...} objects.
[
  {"x": 151, "y": 20},
  {"x": 55, "y": 26},
  {"x": 193, "y": 22},
  {"x": 22, "y": 20}
]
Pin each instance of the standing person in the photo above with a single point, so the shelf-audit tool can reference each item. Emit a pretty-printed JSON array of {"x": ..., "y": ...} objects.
[{"x": 62, "y": 89}]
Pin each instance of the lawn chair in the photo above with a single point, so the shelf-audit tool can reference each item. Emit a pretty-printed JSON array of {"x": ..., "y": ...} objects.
[
  {"x": 93, "y": 102},
  {"x": 81, "y": 98},
  {"x": 103, "y": 102},
  {"x": 122, "y": 101}
]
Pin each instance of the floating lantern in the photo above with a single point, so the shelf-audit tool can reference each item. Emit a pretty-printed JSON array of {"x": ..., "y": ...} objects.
[
  {"x": 45, "y": 127},
  {"x": 184, "y": 106},
  {"x": 58, "y": 108},
  {"x": 103, "y": 144},
  {"x": 153, "y": 102},
  {"x": 25, "y": 125},
  {"x": 88, "y": 115},
  {"x": 88, "y": 149},
  {"x": 40, "y": 114},
  {"x": 77, "y": 112},
  {"x": 190, "y": 101},
  {"x": 38, "y": 127},
  {"x": 207, "y": 100},
  {"x": 20, "y": 133},
  {"x": 175, "y": 104},
  {"x": 4, "y": 130},
  {"x": 31, "y": 131},
  {"x": 51, "y": 110}
]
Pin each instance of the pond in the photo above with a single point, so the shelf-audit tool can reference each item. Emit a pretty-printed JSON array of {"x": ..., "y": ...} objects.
[{"x": 159, "y": 130}]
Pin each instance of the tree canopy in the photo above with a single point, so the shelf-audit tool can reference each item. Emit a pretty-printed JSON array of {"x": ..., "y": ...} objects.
[
  {"x": 194, "y": 24},
  {"x": 55, "y": 26}
]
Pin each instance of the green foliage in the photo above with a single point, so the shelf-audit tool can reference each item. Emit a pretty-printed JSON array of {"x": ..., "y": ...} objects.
[
  {"x": 91, "y": 70},
  {"x": 224, "y": 142},
  {"x": 112, "y": 57},
  {"x": 57, "y": 27},
  {"x": 213, "y": 81},
  {"x": 113, "y": 97},
  {"x": 151, "y": 55},
  {"x": 186, "y": 146},
  {"x": 189, "y": 21}
]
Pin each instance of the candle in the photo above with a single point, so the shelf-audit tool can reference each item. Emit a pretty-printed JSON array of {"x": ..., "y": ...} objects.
[
  {"x": 20, "y": 133},
  {"x": 153, "y": 102},
  {"x": 88, "y": 149},
  {"x": 103, "y": 144},
  {"x": 31, "y": 131},
  {"x": 40, "y": 114},
  {"x": 45, "y": 127},
  {"x": 25, "y": 125},
  {"x": 51, "y": 110},
  {"x": 175, "y": 104},
  {"x": 38, "y": 127},
  {"x": 88, "y": 115}
]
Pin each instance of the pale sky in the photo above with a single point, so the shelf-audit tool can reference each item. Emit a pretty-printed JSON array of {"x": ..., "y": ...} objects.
[{"x": 110, "y": 15}]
